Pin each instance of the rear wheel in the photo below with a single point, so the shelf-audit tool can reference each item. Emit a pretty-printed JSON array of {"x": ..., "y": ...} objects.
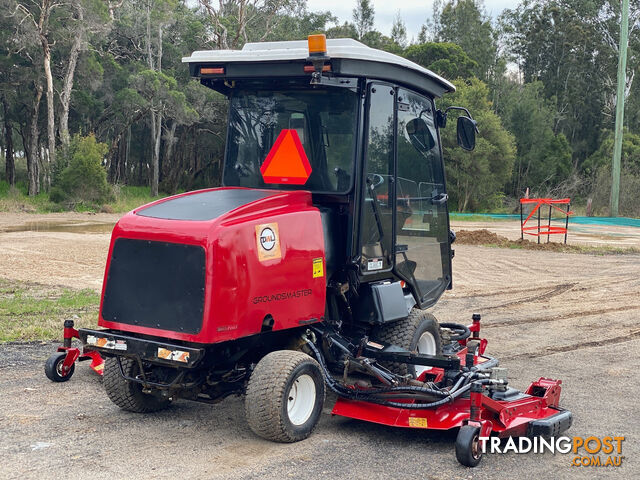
[
  {"x": 419, "y": 332},
  {"x": 284, "y": 396},
  {"x": 126, "y": 394}
]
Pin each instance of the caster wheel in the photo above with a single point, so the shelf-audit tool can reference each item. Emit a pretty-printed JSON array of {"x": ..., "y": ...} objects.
[
  {"x": 53, "y": 368},
  {"x": 468, "y": 451}
]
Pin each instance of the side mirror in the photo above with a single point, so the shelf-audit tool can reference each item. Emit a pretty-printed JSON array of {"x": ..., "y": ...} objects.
[
  {"x": 419, "y": 135},
  {"x": 467, "y": 133}
]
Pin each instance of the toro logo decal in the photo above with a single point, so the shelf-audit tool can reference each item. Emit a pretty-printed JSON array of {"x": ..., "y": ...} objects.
[{"x": 268, "y": 241}]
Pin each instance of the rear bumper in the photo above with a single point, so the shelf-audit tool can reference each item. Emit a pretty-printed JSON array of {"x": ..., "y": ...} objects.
[{"x": 111, "y": 344}]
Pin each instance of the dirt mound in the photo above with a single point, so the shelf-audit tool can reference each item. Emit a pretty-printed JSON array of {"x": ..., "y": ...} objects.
[
  {"x": 480, "y": 237},
  {"x": 487, "y": 238}
]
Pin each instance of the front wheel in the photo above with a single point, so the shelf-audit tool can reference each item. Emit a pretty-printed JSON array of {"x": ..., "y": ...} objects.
[
  {"x": 468, "y": 450},
  {"x": 53, "y": 368},
  {"x": 284, "y": 396},
  {"x": 419, "y": 332}
]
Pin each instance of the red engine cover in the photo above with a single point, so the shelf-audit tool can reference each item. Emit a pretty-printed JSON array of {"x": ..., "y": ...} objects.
[{"x": 264, "y": 256}]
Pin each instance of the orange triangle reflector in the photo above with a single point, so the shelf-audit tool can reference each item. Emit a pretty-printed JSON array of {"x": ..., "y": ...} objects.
[{"x": 287, "y": 162}]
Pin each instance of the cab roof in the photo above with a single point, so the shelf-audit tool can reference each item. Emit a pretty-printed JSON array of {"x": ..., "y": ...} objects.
[{"x": 348, "y": 57}]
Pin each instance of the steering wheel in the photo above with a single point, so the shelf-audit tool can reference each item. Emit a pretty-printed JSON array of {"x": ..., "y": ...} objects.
[
  {"x": 460, "y": 332},
  {"x": 374, "y": 180}
]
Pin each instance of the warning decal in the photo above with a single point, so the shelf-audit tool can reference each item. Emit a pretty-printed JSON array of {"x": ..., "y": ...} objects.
[
  {"x": 287, "y": 161},
  {"x": 268, "y": 241},
  {"x": 418, "y": 422},
  {"x": 318, "y": 268}
]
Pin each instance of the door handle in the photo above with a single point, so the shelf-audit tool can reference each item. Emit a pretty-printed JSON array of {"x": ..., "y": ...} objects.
[{"x": 439, "y": 199}]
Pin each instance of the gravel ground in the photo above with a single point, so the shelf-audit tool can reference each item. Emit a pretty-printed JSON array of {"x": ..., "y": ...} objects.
[{"x": 557, "y": 315}]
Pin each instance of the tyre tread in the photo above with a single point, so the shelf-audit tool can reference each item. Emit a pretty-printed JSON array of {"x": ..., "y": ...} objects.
[
  {"x": 126, "y": 394},
  {"x": 401, "y": 334}
]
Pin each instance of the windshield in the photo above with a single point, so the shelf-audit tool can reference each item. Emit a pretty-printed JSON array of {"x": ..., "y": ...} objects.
[{"x": 323, "y": 119}]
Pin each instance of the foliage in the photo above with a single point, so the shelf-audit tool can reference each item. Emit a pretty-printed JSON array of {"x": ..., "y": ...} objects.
[
  {"x": 129, "y": 87},
  {"x": 465, "y": 23},
  {"x": 363, "y": 16},
  {"x": 602, "y": 157},
  {"x": 399, "y": 31},
  {"x": 476, "y": 179},
  {"x": 598, "y": 169},
  {"x": 443, "y": 58},
  {"x": 543, "y": 158},
  {"x": 84, "y": 181}
]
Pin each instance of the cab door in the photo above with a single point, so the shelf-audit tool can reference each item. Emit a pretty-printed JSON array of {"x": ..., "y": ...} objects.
[
  {"x": 378, "y": 192},
  {"x": 422, "y": 248}
]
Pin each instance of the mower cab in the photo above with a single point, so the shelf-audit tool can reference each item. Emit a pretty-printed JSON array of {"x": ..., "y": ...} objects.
[{"x": 313, "y": 265}]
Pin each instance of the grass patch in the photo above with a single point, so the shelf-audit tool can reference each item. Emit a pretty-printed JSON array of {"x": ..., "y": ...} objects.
[
  {"x": 15, "y": 199},
  {"x": 130, "y": 197},
  {"x": 36, "y": 312}
]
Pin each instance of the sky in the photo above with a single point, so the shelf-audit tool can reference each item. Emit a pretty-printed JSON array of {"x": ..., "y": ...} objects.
[{"x": 413, "y": 12}]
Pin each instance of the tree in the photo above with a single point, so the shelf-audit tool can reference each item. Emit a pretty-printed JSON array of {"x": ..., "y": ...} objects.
[
  {"x": 571, "y": 46},
  {"x": 40, "y": 17},
  {"x": 86, "y": 17},
  {"x": 363, "y": 17},
  {"x": 399, "y": 31},
  {"x": 597, "y": 168},
  {"x": 543, "y": 158},
  {"x": 446, "y": 59},
  {"x": 476, "y": 179},
  {"x": 84, "y": 180},
  {"x": 465, "y": 23},
  {"x": 235, "y": 22},
  {"x": 346, "y": 30}
]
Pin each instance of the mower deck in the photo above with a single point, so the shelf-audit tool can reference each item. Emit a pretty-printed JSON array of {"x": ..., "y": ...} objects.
[{"x": 506, "y": 417}]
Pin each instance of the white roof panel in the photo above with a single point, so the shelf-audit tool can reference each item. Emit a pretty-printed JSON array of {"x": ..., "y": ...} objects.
[{"x": 298, "y": 50}]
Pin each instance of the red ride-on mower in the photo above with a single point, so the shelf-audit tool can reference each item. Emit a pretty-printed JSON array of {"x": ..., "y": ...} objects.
[{"x": 314, "y": 265}]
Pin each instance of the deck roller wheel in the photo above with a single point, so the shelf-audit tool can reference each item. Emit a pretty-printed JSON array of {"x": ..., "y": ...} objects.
[
  {"x": 53, "y": 368},
  {"x": 468, "y": 451},
  {"x": 284, "y": 396}
]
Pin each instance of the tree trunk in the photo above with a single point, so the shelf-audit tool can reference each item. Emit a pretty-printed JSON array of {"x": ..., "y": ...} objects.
[
  {"x": 10, "y": 166},
  {"x": 156, "y": 135},
  {"x": 32, "y": 153},
  {"x": 51, "y": 121},
  {"x": 67, "y": 84}
]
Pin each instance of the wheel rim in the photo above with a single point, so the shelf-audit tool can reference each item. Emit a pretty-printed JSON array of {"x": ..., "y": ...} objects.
[
  {"x": 475, "y": 448},
  {"x": 59, "y": 368},
  {"x": 301, "y": 399},
  {"x": 426, "y": 346}
]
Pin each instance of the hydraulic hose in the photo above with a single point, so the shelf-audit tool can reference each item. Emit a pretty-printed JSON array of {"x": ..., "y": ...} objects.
[{"x": 370, "y": 395}]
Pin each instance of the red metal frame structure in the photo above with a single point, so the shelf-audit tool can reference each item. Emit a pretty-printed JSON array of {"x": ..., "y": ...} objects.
[
  {"x": 73, "y": 353},
  {"x": 548, "y": 229},
  {"x": 503, "y": 418}
]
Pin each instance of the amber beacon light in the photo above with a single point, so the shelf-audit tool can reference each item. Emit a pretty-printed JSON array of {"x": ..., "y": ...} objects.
[
  {"x": 317, "y": 45},
  {"x": 317, "y": 56}
]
